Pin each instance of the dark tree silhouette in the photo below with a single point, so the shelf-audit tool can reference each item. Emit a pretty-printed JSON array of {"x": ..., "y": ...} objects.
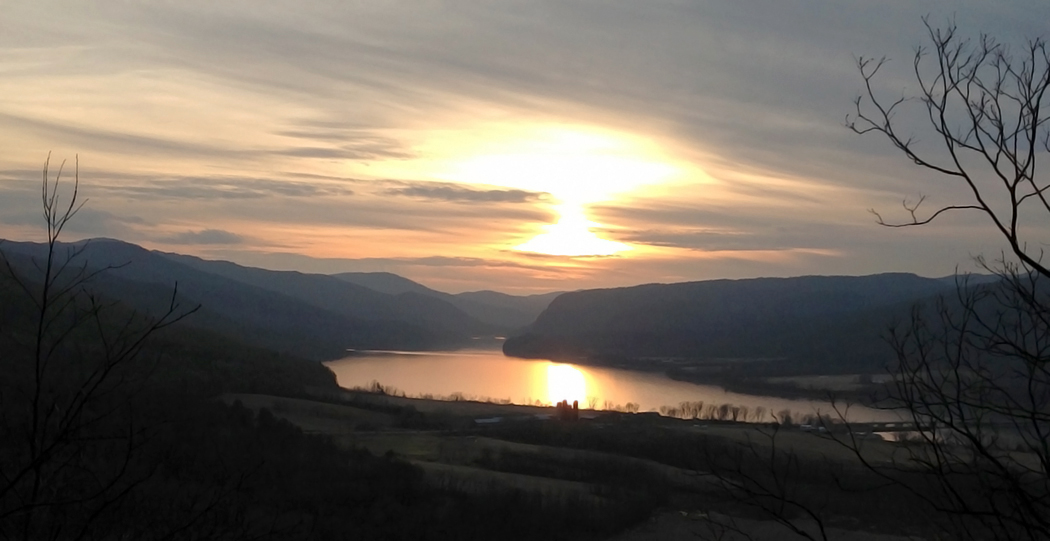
[
  {"x": 72, "y": 367},
  {"x": 972, "y": 371}
]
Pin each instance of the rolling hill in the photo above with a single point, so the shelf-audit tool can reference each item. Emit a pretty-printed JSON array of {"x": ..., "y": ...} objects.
[
  {"x": 507, "y": 312},
  {"x": 316, "y": 316},
  {"x": 813, "y": 323}
]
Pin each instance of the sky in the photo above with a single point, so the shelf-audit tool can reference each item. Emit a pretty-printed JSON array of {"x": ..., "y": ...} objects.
[{"x": 521, "y": 146}]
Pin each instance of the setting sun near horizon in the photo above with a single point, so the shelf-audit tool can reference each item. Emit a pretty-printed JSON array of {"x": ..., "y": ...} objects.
[
  {"x": 567, "y": 167},
  {"x": 571, "y": 236}
]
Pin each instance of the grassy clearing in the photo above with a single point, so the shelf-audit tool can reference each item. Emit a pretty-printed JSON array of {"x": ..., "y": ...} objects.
[
  {"x": 315, "y": 417},
  {"x": 479, "y": 480},
  {"x": 411, "y": 445},
  {"x": 810, "y": 445}
]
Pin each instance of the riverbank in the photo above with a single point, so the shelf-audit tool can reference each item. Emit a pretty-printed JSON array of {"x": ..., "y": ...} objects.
[{"x": 489, "y": 376}]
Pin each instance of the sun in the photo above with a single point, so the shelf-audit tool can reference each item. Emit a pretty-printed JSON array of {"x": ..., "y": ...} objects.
[
  {"x": 572, "y": 236},
  {"x": 577, "y": 166}
]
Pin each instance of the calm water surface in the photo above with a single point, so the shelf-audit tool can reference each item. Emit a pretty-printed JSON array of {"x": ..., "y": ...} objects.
[{"x": 488, "y": 374}]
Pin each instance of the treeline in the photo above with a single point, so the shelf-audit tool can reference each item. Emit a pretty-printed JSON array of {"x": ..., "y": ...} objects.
[{"x": 699, "y": 410}]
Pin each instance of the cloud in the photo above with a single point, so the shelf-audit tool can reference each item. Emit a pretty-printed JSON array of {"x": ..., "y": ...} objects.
[
  {"x": 462, "y": 193},
  {"x": 340, "y": 153},
  {"x": 204, "y": 236},
  {"x": 442, "y": 261},
  {"x": 215, "y": 187},
  {"x": 403, "y": 265},
  {"x": 86, "y": 223},
  {"x": 343, "y": 143},
  {"x": 100, "y": 138}
]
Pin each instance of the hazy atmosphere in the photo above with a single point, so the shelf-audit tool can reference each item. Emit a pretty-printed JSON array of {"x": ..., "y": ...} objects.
[{"x": 517, "y": 146}]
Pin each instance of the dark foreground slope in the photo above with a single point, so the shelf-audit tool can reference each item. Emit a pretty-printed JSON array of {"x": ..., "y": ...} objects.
[{"x": 812, "y": 323}]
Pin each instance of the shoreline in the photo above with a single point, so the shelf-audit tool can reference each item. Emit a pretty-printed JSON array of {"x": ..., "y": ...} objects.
[{"x": 713, "y": 374}]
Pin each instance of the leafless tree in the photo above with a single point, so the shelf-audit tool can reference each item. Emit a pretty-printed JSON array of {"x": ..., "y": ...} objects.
[
  {"x": 987, "y": 108},
  {"x": 973, "y": 370},
  {"x": 68, "y": 433}
]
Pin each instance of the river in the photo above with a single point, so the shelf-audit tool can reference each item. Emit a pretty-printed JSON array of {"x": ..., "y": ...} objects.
[{"x": 489, "y": 375}]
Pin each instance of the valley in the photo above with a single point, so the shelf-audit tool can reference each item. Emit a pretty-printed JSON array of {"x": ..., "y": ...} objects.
[{"x": 698, "y": 402}]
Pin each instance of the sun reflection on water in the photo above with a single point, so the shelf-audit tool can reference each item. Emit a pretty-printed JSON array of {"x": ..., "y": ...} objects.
[{"x": 565, "y": 382}]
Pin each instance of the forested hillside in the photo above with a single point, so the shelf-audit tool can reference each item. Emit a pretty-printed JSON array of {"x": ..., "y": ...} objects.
[
  {"x": 508, "y": 312},
  {"x": 315, "y": 316},
  {"x": 813, "y": 323}
]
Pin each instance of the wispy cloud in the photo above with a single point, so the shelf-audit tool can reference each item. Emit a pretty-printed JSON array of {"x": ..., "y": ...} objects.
[
  {"x": 461, "y": 193},
  {"x": 204, "y": 236},
  {"x": 216, "y": 187}
]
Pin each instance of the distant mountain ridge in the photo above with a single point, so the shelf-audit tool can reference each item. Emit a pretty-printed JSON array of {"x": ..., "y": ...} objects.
[
  {"x": 387, "y": 282},
  {"x": 809, "y": 320},
  {"x": 330, "y": 293},
  {"x": 510, "y": 312},
  {"x": 312, "y": 315}
]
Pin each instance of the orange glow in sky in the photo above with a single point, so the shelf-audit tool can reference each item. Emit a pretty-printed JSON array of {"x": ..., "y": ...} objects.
[
  {"x": 445, "y": 145},
  {"x": 577, "y": 166},
  {"x": 573, "y": 165},
  {"x": 571, "y": 236}
]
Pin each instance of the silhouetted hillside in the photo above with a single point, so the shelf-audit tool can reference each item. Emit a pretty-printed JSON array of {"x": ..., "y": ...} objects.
[
  {"x": 430, "y": 313},
  {"x": 387, "y": 282},
  {"x": 507, "y": 312},
  {"x": 315, "y": 316},
  {"x": 184, "y": 356},
  {"x": 812, "y": 322}
]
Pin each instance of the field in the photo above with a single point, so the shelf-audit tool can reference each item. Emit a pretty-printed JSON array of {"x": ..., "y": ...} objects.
[{"x": 657, "y": 473}]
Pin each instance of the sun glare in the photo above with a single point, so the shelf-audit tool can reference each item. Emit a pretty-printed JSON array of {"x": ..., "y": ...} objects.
[
  {"x": 577, "y": 165},
  {"x": 571, "y": 236},
  {"x": 565, "y": 382}
]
